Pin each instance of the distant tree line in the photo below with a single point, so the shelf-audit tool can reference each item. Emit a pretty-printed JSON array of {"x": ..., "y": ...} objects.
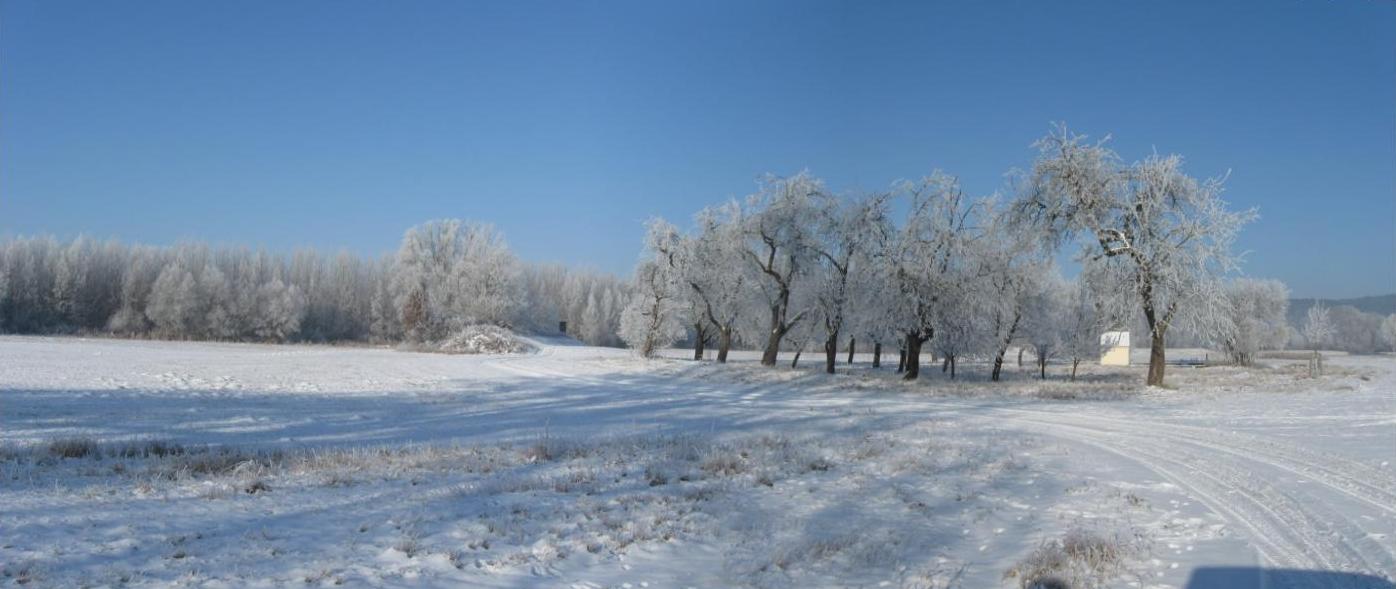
[
  {"x": 1349, "y": 330},
  {"x": 445, "y": 275}
]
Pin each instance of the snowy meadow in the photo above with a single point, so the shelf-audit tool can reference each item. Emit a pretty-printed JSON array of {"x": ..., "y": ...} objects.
[
  {"x": 452, "y": 416},
  {"x": 236, "y": 465}
]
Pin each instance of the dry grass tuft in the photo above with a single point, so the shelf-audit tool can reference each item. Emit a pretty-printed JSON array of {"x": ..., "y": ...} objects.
[{"x": 1078, "y": 560}]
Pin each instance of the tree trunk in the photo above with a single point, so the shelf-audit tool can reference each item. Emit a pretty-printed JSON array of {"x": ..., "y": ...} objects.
[
  {"x": 1156, "y": 359},
  {"x": 953, "y": 362},
  {"x": 913, "y": 356},
  {"x": 831, "y": 352},
  {"x": 877, "y": 355},
  {"x": 1042, "y": 368},
  {"x": 1074, "y": 363},
  {"x": 901, "y": 359},
  {"x": 724, "y": 343},
  {"x": 1020, "y": 356},
  {"x": 700, "y": 340},
  {"x": 852, "y": 344},
  {"x": 1003, "y": 348},
  {"x": 768, "y": 357},
  {"x": 945, "y": 364},
  {"x": 795, "y": 363}
]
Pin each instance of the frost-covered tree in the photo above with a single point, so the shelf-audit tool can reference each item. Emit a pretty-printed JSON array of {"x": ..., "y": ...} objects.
[
  {"x": 174, "y": 302},
  {"x": 1047, "y": 319},
  {"x": 1318, "y": 330},
  {"x": 926, "y": 256},
  {"x": 1388, "y": 332},
  {"x": 717, "y": 274},
  {"x": 1083, "y": 323},
  {"x": 216, "y": 304},
  {"x": 594, "y": 327},
  {"x": 675, "y": 252},
  {"x": 1356, "y": 331},
  {"x": 281, "y": 309},
  {"x": 1164, "y": 237},
  {"x": 958, "y": 321},
  {"x": 1009, "y": 278},
  {"x": 849, "y": 236},
  {"x": 778, "y": 225},
  {"x": 1256, "y": 314},
  {"x": 651, "y": 320},
  {"x": 449, "y": 274}
]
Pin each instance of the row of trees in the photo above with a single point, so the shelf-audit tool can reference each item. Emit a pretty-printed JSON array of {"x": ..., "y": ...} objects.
[
  {"x": 924, "y": 264},
  {"x": 446, "y": 274}
]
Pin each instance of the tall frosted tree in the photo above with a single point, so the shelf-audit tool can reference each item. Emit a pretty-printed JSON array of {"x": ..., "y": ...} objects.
[
  {"x": 1164, "y": 237},
  {"x": 778, "y": 225},
  {"x": 927, "y": 257},
  {"x": 718, "y": 275},
  {"x": 849, "y": 235}
]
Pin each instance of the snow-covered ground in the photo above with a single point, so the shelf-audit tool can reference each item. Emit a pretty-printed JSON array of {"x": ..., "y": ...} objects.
[{"x": 232, "y": 465}]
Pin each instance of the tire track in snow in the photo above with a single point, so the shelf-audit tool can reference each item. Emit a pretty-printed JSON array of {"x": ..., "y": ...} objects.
[
  {"x": 1352, "y": 480},
  {"x": 1286, "y": 531}
]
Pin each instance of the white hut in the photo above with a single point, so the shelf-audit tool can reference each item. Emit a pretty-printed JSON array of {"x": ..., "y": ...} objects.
[{"x": 1114, "y": 348}]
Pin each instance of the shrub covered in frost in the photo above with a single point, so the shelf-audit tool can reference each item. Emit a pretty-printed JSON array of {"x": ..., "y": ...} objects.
[{"x": 484, "y": 339}]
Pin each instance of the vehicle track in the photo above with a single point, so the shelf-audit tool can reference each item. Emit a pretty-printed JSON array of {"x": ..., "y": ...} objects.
[{"x": 1290, "y": 528}]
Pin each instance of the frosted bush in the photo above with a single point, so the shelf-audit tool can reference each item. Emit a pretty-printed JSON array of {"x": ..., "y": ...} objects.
[{"x": 484, "y": 339}]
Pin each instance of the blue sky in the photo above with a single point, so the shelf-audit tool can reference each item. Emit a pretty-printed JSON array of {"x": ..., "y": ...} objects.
[{"x": 339, "y": 124}]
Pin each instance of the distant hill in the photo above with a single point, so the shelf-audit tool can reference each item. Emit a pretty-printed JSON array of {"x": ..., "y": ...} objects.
[{"x": 1380, "y": 304}]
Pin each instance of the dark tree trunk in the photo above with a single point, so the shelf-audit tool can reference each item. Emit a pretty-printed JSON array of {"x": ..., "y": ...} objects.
[
  {"x": 1003, "y": 349},
  {"x": 953, "y": 362},
  {"x": 901, "y": 359},
  {"x": 1042, "y": 368},
  {"x": 831, "y": 352},
  {"x": 852, "y": 344},
  {"x": 1020, "y": 356},
  {"x": 1156, "y": 359},
  {"x": 795, "y": 363},
  {"x": 768, "y": 357},
  {"x": 913, "y": 356},
  {"x": 700, "y": 340},
  {"x": 877, "y": 355},
  {"x": 945, "y": 364},
  {"x": 1074, "y": 363},
  {"x": 724, "y": 343}
]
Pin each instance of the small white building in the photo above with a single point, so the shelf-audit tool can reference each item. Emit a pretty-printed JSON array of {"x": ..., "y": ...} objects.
[{"x": 1114, "y": 348}]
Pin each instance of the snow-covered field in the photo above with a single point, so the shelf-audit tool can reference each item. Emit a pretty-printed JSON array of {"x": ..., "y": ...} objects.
[{"x": 230, "y": 465}]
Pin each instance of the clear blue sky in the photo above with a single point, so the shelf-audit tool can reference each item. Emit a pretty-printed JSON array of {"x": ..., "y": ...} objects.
[{"x": 339, "y": 124}]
